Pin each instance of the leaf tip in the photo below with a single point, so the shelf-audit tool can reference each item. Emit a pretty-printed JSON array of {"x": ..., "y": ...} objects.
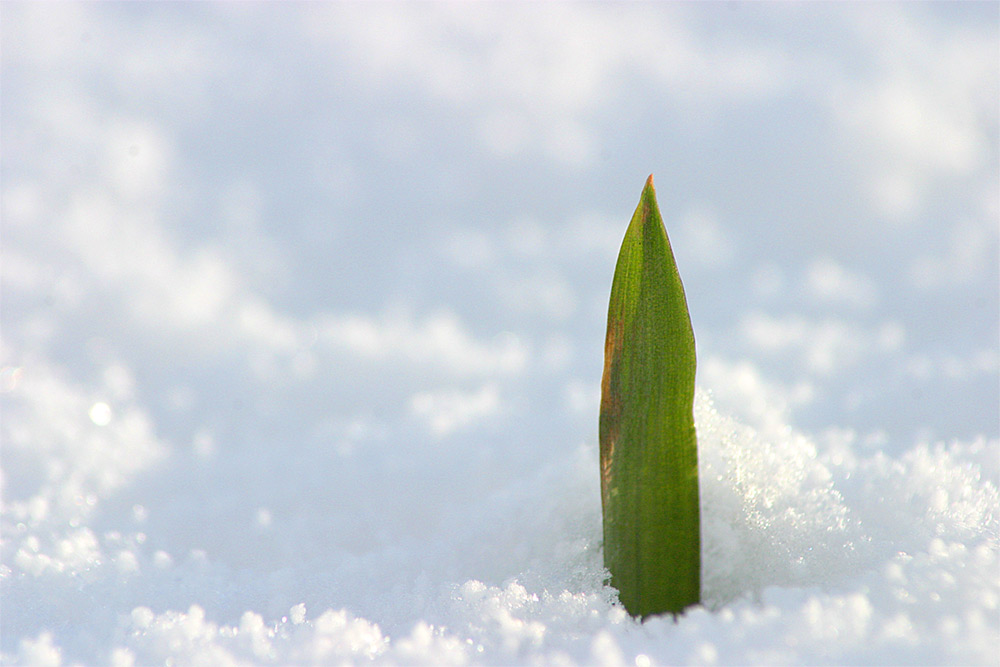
[{"x": 649, "y": 181}]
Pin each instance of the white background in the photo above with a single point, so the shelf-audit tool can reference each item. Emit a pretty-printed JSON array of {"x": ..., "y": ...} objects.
[{"x": 305, "y": 305}]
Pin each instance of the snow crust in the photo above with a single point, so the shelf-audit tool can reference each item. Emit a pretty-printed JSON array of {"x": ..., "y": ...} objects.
[{"x": 811, "y": 553}]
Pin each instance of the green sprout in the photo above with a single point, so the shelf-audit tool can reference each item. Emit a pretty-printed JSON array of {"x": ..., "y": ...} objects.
[{"x": 649, "y": 450}]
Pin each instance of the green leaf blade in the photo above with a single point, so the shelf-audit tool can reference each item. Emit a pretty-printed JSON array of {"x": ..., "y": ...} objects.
[{"x": 649, "y": 455}]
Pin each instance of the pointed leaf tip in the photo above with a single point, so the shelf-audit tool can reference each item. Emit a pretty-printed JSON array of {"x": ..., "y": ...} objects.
[{"x": 649, "y": 181}]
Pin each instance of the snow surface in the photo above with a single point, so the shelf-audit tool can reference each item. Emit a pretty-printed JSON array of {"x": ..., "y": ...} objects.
[{"x": 303, "y": 316}]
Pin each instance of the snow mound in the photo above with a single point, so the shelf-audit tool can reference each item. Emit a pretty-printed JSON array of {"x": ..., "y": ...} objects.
[{"x": 811, "y": 553}]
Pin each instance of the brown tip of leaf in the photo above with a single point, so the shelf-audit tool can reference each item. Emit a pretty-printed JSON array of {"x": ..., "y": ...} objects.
[{"x": 649, "y": 181}]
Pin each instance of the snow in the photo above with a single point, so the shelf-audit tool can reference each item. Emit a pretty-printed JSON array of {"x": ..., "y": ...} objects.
[{"x": 303, "y": 316}]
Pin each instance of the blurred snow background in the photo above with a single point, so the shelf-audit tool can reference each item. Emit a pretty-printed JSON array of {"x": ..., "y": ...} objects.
[{"x": 303, "y": 316}]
